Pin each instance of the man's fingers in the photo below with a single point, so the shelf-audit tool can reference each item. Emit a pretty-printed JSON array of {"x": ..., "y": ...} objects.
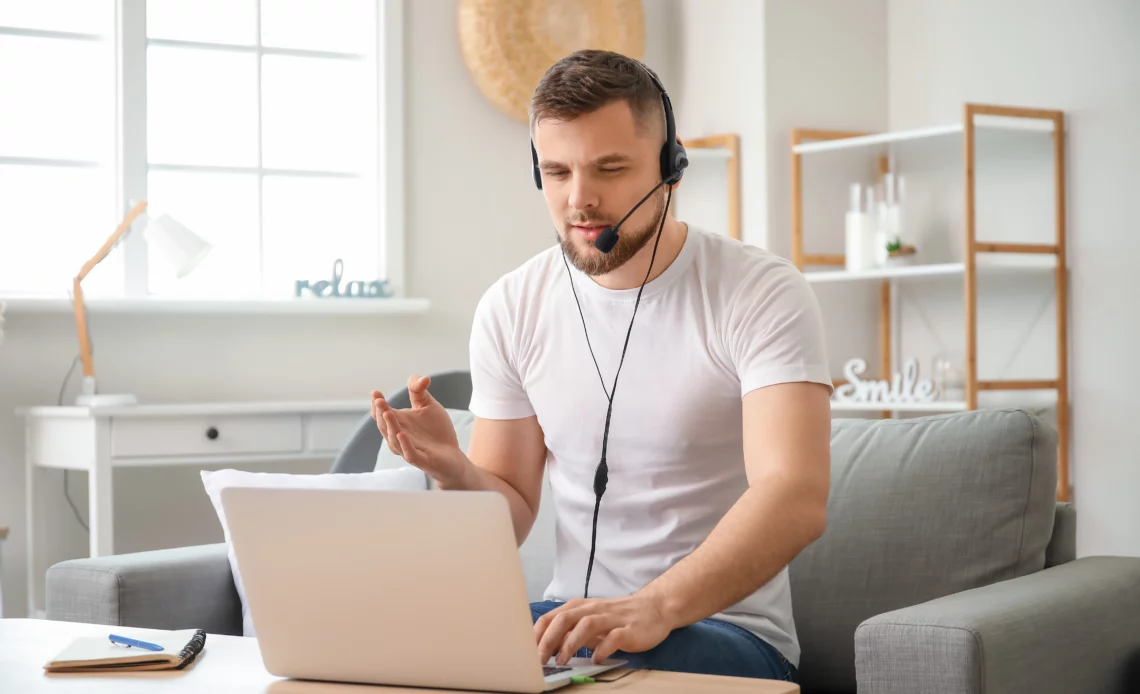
[
  {"x": 555, "y": 634},
  {"x": 543, "y": 621},
  {"x": 586, "y": 631},
  {"x": 378, "y": 415},
  {"x": 410, "y": 451},
  {"x": 382, "y": 426},
  {"x": 393, "y": 436},
  {"x": 379, "y": 407},
  {"x": 609, "y": 645},
  {"x": 418, "y": 390},
  {"x": 375, "y": 400}
]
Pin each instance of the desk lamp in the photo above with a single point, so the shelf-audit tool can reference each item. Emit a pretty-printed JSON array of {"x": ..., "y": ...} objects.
[{"x": 182, "y": 247}]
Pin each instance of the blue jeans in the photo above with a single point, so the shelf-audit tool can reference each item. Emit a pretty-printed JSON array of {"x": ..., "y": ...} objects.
[{"x": 709, "y": 647}]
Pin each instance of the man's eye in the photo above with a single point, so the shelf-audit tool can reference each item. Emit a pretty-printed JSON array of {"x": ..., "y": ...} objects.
[
  {"x": 613, "y": 169},
  {"x": 556, "y": 174}
]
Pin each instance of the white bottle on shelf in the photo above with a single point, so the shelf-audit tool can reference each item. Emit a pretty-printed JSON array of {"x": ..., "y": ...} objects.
[
  {"x": 860, "y": 232},
  {"x": 890, "y": 219}
]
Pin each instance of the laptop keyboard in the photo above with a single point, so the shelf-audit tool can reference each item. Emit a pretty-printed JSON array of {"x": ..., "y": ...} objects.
[{"x": 548, "y": 670}]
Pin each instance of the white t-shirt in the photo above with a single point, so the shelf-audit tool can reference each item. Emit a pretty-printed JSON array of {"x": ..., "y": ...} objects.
[{"x": 723, "y": 319}]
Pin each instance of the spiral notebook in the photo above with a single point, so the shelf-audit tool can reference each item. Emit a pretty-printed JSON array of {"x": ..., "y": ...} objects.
[{"x": 98, "y": 654}]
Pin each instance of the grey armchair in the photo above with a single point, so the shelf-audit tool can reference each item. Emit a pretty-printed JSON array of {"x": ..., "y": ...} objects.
[{"x": 947, "y": 568}]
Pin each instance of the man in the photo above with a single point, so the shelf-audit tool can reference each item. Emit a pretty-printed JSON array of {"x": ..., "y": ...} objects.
[{"x": 718, "y": 443}]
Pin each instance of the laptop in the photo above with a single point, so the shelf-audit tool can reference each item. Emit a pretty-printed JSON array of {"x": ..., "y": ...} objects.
[{"x": 407, "y": 588}]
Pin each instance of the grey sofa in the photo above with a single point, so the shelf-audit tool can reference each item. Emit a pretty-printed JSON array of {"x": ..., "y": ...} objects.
[{"x": 947, "y": 567}]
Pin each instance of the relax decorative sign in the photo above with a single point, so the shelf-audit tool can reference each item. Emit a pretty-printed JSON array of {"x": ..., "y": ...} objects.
[
  {"x": 903, "y": 388},
  {"x": 356, "y": 289}
]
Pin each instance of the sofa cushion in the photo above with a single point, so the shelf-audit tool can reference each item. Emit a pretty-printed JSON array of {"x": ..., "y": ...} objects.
[{"x": 919, "y": 508}]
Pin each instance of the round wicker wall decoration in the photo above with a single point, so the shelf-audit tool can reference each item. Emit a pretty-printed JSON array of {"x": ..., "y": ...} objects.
[{"x": 508, "y": 45}]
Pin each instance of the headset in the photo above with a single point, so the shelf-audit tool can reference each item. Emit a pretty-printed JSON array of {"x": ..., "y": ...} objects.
[{"x": 673, "y": 161}]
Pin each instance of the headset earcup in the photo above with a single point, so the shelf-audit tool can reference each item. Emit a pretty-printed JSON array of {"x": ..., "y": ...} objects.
[
  {"x": 534, "y": 166},
  {"x": 680, "y": 161},
  {"x": 674, "y": 161}
]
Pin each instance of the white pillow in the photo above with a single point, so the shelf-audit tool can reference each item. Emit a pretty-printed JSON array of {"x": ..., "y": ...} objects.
[{"x": 406, "y": 479}]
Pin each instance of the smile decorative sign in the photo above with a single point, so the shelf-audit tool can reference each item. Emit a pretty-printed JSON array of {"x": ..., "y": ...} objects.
[
  {"x": 903, "y": 388},
  {"x": 357, "y": 289}
]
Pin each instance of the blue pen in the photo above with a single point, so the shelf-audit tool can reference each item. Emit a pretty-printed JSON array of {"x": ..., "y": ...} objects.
[{"x": 135, "y": 642}]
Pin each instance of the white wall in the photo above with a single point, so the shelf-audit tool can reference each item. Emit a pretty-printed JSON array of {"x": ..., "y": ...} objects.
[
  {"x": 473, "y": 214},
  {"x": 825, "y": 68},
  {"x": 760, "y": 69},
  {"x": 720, "y": 89},
  {"x": 1083, "y": 58}
]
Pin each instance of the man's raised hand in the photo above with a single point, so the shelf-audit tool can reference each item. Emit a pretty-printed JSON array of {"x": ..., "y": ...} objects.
[{"x": 422, "y": 434}]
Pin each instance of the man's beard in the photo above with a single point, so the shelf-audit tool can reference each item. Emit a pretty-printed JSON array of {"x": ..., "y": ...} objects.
[{"x": 593, "y": 262}]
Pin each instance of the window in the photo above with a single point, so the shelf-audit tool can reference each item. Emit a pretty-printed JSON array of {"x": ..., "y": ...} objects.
[
  {"x": 256, "y": 123},
  {"x": 57, "y": 143}
]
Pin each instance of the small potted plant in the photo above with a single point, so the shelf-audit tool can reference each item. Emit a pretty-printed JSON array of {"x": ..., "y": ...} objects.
[{"x": 899, "y": 254}]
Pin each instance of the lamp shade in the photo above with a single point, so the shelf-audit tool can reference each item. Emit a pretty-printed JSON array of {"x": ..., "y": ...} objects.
[{"x": 182, "y": 248}]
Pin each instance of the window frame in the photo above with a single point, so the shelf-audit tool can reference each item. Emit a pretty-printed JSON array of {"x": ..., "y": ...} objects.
[{"x": 131, "y": 166}]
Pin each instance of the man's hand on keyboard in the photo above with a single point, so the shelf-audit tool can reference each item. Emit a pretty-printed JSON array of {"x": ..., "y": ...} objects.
[{"x": 632, "y": 624}]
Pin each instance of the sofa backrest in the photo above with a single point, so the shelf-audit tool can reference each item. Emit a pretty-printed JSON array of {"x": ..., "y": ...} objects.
[
  {"x": 1062, "y": 547},
  {"x": 919, "y": 508}
]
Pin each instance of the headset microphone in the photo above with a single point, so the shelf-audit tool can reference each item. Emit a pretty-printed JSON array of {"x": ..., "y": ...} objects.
[{"x": 609, "y": 237}]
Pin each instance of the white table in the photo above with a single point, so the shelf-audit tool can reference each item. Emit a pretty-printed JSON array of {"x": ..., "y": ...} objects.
[
  {"x": 233, "y": 664},
  {"x": 97, "y": 440}
]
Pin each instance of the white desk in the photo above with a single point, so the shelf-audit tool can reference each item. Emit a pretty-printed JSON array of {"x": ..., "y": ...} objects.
[
  {"x": 99, "y": 439},
  {"x": 233, "y": 664}
]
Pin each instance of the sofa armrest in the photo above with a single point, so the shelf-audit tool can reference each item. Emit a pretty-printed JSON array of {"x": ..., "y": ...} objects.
[
  {"x": 1071, "y": 628},
  {"x": 182, "y": 588}
]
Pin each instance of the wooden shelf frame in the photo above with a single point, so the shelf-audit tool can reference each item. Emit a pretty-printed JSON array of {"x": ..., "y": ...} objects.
[
  {"x": 972, "y": 248},
  {"x": 729, "y": 142}
]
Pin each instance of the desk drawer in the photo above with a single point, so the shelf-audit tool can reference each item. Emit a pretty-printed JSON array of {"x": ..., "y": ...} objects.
[
  {"x": 205, "y": 435},
  {"x": 327, "y": 433}
]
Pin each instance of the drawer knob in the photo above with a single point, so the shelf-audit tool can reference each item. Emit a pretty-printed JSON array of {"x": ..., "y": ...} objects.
[{"x": 212, "y": 433}]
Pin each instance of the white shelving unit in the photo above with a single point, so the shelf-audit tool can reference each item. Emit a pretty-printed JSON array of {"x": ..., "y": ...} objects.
[
  {"x": 980, "y": 258},
  {"x": 995, "y": 265},
  {"x": 725, "y": 148},
  {"x": 713, "y": 153},
  {"x": 983, "y": 123}
]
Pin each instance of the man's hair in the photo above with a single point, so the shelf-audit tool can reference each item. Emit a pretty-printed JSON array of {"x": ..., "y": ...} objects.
[{"x": 587, "y": 80}]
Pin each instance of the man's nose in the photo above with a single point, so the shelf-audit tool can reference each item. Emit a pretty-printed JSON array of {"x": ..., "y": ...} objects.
[{"x": 583, "y": 194}]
